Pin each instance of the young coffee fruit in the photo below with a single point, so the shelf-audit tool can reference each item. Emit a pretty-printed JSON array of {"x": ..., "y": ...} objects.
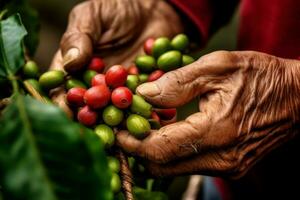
[
  {"x": 106, "y": 134},
  {"x": 137, "y": 125},
  {"x": 51, "y": 79},
  {"x": 140, "y": 106},
  {"x": 112, "y": 115}
]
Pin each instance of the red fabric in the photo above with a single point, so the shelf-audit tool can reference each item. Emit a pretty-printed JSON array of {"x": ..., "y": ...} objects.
[{"x": 270, "y": 26}]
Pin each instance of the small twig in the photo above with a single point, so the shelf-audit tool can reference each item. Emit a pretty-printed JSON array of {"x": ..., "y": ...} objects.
[
  {"x": 4, "y": 102},
  {"x": 34, "y": 92},
  {"x": 126, "y": 175}
]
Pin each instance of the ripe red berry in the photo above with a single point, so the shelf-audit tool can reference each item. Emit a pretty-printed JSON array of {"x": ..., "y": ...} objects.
[
  {"x": 155, "y": 75},
  {"x": 155, "y": 116},
  {"x": 97, "y": 97},
  {"x": 116, "y": 76},
  {"x": 148, "y": 45},
  {"x": 75, "y": 96},
  {"x": 167, "y": 114},
  {"x": 97, "y": 65},
  {"x": 87, "y": 116},
  {"x": 98, "y": 79},
  {"x": 133, "y": 70},
  {"x": 121, "y": 97}
]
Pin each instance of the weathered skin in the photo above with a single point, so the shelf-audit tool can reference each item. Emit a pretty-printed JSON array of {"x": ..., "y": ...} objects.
[
  {"x": 249, "y": 106},
  {"x": 115, "y": 30},
  {"x": 249, "y": 101}
]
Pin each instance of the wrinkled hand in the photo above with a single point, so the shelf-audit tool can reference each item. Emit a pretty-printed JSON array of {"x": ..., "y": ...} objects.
[
  {"x": 249, "y": 105},
  {"x": 114, "y": 30}
]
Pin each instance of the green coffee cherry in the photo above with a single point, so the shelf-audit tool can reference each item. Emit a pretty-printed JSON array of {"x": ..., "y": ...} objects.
[
  {"x": 186, "y": 60},
  {"x": 180, "y": 42},
  {"x": 88, "y": 75},
  {"x": 106, "y": 134},
  {"x": 132, "y": 82},
  {"x": 160, "y": 46},
  {"x": 137, "y": 125},
  {"x": 140, "y": 106},
  {"x": 112, "y": 115},
  {"x": 51, "y": 79},
  {"x": 115, "y": 183},
  {"x": 113, "y": 164},
  {"x": 169, "y": 60},
  {"x": 71, "y": 83},
  {"x": 31, "y": 70},
  {"x": 143, "y": 78},
  {"x": 145, "y": 63}
]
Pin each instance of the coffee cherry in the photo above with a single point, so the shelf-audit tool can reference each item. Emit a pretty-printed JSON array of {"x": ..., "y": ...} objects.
[
  {"x": 116, "y": 76},
  {"x": 132, "y": 82},
  {"x": 155, "y": 75},
  {"x": 88, "y": 75},
  {"x": 160, "y": 46},
  {"x": 133, "y": 70},
  {"x": 143, "y": 78},
  {"x": 137, "y": 125},
  {"x": 96, "y": 64},
  {"x": 71, "y": 83},
  {"x": 51, "y": 79},
  {"x": 75, "y": 96},
  {"x": 186, "y": 60},
  {"x": 98, "y": 79},
  {"x": 140, "y": 106},
  {"x": 148, "y": 46},
  {"x": 113, "y": 164},
  {"x": 169, "y": 60},
  {"x": 115, "y": 183},
  {"x": 106, "y": 134},
  {"x": 112, "y": 115},
  {"x": 155, "y": 116},
  {"x": 145, "y": 63},
  {"x": 121, "y": 97},
  {"x": 31, "y": 70},
  {"x": 167, "y": 114},
  {"x": 87, "y": 116},
  {"x": 180, "y": 42},
  {"x": 97, "y": 97}
]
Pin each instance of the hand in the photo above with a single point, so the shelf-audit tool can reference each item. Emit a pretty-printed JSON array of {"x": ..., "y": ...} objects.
[
  {"x": 112, "y": 29},
  {"x": 249, "y": 105}
]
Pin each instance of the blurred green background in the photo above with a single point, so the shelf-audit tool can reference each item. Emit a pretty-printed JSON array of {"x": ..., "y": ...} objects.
[{"x": 54, "y": 17}]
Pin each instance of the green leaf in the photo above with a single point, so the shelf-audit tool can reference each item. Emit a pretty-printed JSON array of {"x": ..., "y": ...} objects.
[
  {"x": 44, "y": 155},
  {"x": 30, "y": 19},
  {"x": 142, "y": 194},
  {"x": 12, "y": 33}
]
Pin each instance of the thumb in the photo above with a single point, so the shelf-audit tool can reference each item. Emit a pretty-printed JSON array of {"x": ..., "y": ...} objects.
[
  {"x": 174, "y": 88},
  {"x": 82, "y": 32},
  {"x": 178, "y": 87}
]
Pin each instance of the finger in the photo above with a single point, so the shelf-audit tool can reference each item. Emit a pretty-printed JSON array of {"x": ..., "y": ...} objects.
[
  {"x": 178, "y": 87},
  {"x": 171, "y": 142},
  {"x": 212, "y": 164},
  {"x": 80, "y": 36},
  {"x": 58, "y": 95}
]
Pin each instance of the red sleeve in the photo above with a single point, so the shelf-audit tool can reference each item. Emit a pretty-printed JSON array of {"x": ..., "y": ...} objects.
[{"x": 207, "y": 15}]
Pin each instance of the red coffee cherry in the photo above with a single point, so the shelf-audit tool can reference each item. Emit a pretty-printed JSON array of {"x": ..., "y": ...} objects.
[
  {"x": 121, "y": 97},
  {"x": 87, "y": 116},
  {"x": 97, "y": 97},
  {"x": 96, "y": 64},
  {"x": 116, "y": 76},
  {"x": 98, "y": 79},
  {"x": 155, "y": 75},
  {"x": 148, "y": 46},
  {"x": 75, "y": 96}
]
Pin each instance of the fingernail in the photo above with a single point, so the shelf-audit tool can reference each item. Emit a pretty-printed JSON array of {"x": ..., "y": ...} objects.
[
  {"x": 148, "y": 89},
  {"x": 71, "y": 55}
]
